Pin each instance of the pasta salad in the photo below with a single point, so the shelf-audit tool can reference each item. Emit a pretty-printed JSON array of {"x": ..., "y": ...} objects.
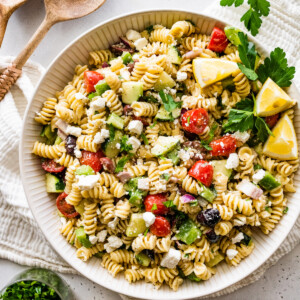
[{"x": 167, "y": 149}]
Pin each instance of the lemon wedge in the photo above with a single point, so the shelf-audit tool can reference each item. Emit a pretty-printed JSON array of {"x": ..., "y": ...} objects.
[
  {"x": 210, "y": 70},
  {"x": 283, "y": 145},
  {"x": 272, "y": 99}
]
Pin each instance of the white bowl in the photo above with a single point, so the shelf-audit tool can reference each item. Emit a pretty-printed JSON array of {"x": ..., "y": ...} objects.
[{"x": 43, "y": 206}]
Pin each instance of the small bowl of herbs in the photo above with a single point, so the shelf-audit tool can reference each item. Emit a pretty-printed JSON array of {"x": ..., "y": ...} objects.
[{"x": 36, "y": 284}]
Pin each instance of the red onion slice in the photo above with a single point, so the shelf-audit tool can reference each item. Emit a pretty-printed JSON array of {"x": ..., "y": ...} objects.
[
  {"x": 249, "y": 189},
  {"x": 187, "y": 198}
]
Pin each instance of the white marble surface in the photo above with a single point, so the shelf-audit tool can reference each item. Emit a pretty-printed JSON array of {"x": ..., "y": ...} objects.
[{"x": 279, "y": 282}]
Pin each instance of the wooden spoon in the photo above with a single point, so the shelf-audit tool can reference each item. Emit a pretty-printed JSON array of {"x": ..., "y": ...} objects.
[
  {"x": 56, "y": 11},
  {"x": 7, "y": 7}
]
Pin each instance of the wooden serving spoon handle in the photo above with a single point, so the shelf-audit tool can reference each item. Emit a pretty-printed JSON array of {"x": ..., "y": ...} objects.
[{"x": 13, "y": 72}]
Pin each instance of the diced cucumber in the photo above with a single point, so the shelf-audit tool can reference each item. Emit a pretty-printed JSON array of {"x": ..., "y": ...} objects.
[
  {"x": 219, "y": 167},
  {"x": 101, "y": 87},
  {"x": 84, "y": 170},
  {"x": 216, "y": 260},
  {"x": 80, "y": 208},
  {"x": 116, "y": 121},
  {"x": 193, "y": 277},
  {"x": 173, "y": 155},
  {"x": 208, "y": 194},
  {"x": 110, "y": 147},
  {"x": 188, "y": 232},
  {"x": 164, "y": 144},
  {"x": 228, "y": 84},
  {"x": 136, "y": 225},
  {"x": 143, "y": 259},
  {"x": 132, "y": 91},
  {"x": 163, "y": 115},
  {"x": 58, "y": 140},
  {"x": 174, "y": 55},
  {"x": 132, "y": 184},
  {"x": 126, "y": 57},
  {"x": 164, "y": 81},
  {"x": 136, "y": 195},
  {"x": 82, "y": 237},
  {"x": 269, "y": 182},
  {"x": 232, "y": 35},
  {"x": 49, "y": 134},
  {"x": 54, "y": 184}
]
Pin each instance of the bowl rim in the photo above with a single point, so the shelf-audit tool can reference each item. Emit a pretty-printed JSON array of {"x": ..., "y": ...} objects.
[{"x": 21, "y": 155}]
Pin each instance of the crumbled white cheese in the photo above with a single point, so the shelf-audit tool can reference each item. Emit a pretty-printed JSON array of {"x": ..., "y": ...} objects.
[
  {"x": 241, "y": 136},
  {"x": 140, "y": 43},
  {"x": 149, "y": 218},
  {"x": 171, "y": 259},
  {"x": 231, "y": 253},
  {"x": 181, "y": 76},
  {"x": 87, "y": 182},
  {"x": 134, "y": 142},
  {"x": 133, "y": 35},
  {"x": 143, "y": 183},
  {"x": 125, "y": 74},
  {"x": 77, "y": 152},
  {"x": 258, "y": 176},
  {"x": 97, "y": 103},
  {"x": 139, "y": 161},
  {"x": 135, "y": 56},
  {"x": 237, "y": 238},
  {"x": 240, "y": 221},
  {"x": 113, "y": 243},
  {"x": 135, "y": 126},
  {"x": 73, "y": 130},
  {"x": 232, "y": 161},
  {"x": 93, "y": 239},
  {"x": 113, "y": 224},
  {"x": 79, "y": 96},
  {"x": 102, "y": 235},
  {"x": 100, "y": 137},
  {"x": 118, "y": 145},
  {"x": 183, "y": 155}
]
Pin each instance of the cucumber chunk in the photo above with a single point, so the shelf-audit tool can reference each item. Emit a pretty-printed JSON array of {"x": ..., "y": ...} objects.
[
  {"x": 188, "y": 232},
  {"x": 110, "y": 146},
  {"x": 101, "y": 87},
  {"x": 82, "y": 237},
  {"x": 216, "y": 260},
  {"x": 208, "y": 194},
  {"x": 116, "y": 121},
  {"x": 174, "y": 55},
  {"x": 84, "y": 170},
  {"x": 164, "y": 144},
  {"x": 143, "y": 259},
  {"x": 219, "y": 167},
  {"x": 54, "y": 184},
  {"x": 58, "y": 140},
  {"x": 132, "y": 91},
  {"x": 80, "y": 207},
  {"x": 126, "y": 57},
  {"x": 49, "y": 134},
  {"x": 232, "y": 34},
  {"x": 163, "y": 115},
  {"x": 269, "y": 182},
  {"x": 164, "y": 81},
  {"x": 173, "y": 155},
  {"x": 193, "y": 277},
  {"x": 136, "y": 225}
]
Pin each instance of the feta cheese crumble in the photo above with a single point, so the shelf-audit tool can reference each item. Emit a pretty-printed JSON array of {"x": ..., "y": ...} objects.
[
  {"x": 143, "y": 183},
  {"x": 133, "y": 35},
  {"x": 231, "y": 253},
  {"x": 100, "y": 137},
  {"x": 134, "y": 142},
  {"x": 171, "y": 259},
  {"x": 97, "y": 103},
  {"x": 73, "y": 130},
  {"x": 113, "y": 224},
  {"x": 181, "y": 76},
  {"x": 77, "y": 152},
  {"x": 140, "y": 43},
  {"x": 258, "y": 176},
  {"x": 232, "y": 161},
  {"x": 79, "y": 96},
  {"x": 237, "y": 238},
  {"x": 183, "y": 155},
  {"x": 135, "y": 126},
  {"x": 241, "y": 136},
  {"x": 149, "y": 218},
  {"x": 93, "y": 239},
  {"x": 86, "y": 182},
  {"x": 102, "y": 235},
  {"x": 125, "y": 74},
  {"x": 113, "y": 243}
]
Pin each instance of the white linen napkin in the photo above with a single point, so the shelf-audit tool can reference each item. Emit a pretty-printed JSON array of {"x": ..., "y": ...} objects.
[{"x": 21, "y": 240}]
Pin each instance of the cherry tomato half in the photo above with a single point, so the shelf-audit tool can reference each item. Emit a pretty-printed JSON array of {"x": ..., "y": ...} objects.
[
  {"x": 92, "y": 159},
  {"x": 155, "y": 204},
  {"x": 161, "y": 227},
  {"x": 90, "y": 79},
  {"x": 202, "y": 171},
  {"x": 51, "y": 166},
  {"x": 272, "y": 120},
  {"x": 218, "y": 41},
  {"x": 223, "y": 146},
  {"x": 65, "y": 208},
  {"x": 195, "y": 120}
]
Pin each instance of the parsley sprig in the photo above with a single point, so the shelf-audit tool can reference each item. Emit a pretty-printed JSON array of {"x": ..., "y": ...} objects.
[
  {"x": 125, "y": 146},
  {"x": 122, "y": 162},
  {"x": 211, "y": 134},
  {"x": 253, "y": 17},
  {"x": 241, "y": 118},
  {"x": 169, "y": 103}
]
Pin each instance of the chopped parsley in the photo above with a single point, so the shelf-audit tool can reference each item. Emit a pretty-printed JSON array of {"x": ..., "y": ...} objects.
[
  {"x": 257, "y": 167},
  {"x": 169, "y": 204},
  {"x": 146, "y": 231},
  {"x": 165, "y": 176},
  {"x": 169, "y": 102},
  {"x": 206, "y": 143},
  {"x": 125, "y": 146},
  {"x": 122, "y": 162},
  {"x": 268, "y": 209},
  {"x": 112, "y": 132},
  {"x": 154, "y": 207},
  {"x": 188, "y": 120},
  {"x": 285, "y": 210},
  {"x": 143, "y": 136},
  {"x": 151, "y": 126},
  {"x": 150, "y": 29}
]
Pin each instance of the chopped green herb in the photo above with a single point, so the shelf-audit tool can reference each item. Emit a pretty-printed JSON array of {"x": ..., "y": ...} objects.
[
  {"x": 268, "y": 209},
  {"x": 146, "y": 231},
  {"x": 143, "y": 136},
  {"x": 186, "y": 255},
  {"x": 151, "y": 126},
  {"x": 263, "y": 130},
  {"x": 112, "y": 132},
  {"x": 150, "y": 29},
  {"x": 188, "y": 120},
  {"x": 60, "y": 185},
  {"x": 246, "y": 105},
  {"x": 169, "y": 204},
  {"x": 92, "y": 95},
  {"x": 165, "y": 176},
  {"x": 257, "y": 167},
  {"x": 211, "y": 134},
  {"x": 285, "y": 210},
  {"x": 122, "y": 162},
  {"x": 154, "y": 207},
  {"x": 125, "y": 146},
  {"x": 169, "y": 102}
]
